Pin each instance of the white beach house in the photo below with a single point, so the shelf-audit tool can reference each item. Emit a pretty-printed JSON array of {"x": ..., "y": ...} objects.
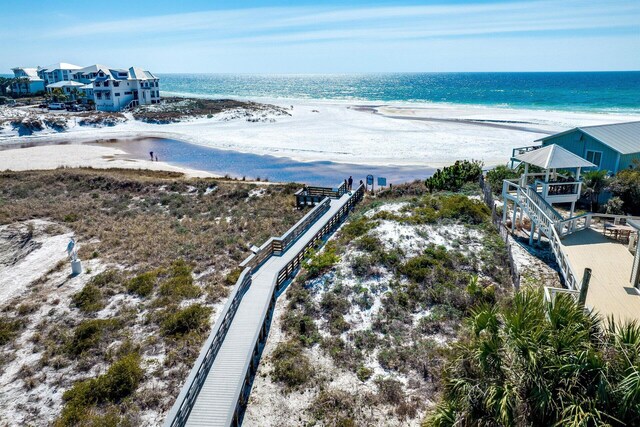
[
  {"x": 32, "y": 83},
  {"x": 111, "y": 89},
  {"x": 55, "y": 73},
  {"x": 115, "y": 89}
]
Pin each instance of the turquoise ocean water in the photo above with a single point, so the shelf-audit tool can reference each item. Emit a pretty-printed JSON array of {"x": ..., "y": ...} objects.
[{"x": 577, "y": 91}]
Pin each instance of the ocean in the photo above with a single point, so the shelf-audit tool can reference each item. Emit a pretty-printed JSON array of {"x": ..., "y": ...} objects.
[{"x": 575, "y": 91}]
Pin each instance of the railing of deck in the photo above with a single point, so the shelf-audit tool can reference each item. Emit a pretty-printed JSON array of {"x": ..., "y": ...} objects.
[
  {"x": 539, "y": 211},
  {"x": 584, "y": 221},
  {"x": 551, "y": 293}
]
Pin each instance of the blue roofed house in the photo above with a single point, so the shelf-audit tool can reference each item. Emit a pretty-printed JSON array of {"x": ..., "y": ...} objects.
[{"x": 612, "y": 147}]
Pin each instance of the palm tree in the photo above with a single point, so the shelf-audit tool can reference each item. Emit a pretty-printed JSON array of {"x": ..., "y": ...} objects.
[
  {"x": 58, "y": 94},
  {"x": 594, "y": 182},
  {"x": 528, "y": 362},
  {"x": 5, "y": 82}
]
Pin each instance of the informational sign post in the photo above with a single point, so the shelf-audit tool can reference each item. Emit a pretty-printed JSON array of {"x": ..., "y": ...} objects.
[
  {"x": 369, "y": 182},
  {"x": 382, "y": 182}
]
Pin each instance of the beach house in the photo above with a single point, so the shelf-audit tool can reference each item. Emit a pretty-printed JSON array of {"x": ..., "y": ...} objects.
[
  {"x": 109, "y": 89},
  {"x": 612, "y": 147},
  {"x": 29, "y": 83},
  {"x": 116, "y": 89},
  {"x": 597, "y": 254},
  {"x": 55, "y": 73}
]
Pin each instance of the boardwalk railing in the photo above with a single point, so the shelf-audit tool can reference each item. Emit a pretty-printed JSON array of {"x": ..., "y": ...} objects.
[
  {"x": 180, "y": 410},
  {"x": 274, "y": 246},
  {"x": 309, "y": 196},
  {"x": 584, "y": 221},
  {"x": 293, "y": 265}
]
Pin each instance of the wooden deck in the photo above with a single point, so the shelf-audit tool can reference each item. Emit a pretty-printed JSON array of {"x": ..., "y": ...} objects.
[{"x": 610, "y": 290}]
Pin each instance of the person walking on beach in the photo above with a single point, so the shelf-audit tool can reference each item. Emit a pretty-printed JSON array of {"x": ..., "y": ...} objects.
[
  {"x": 156, "y": 157},
  {"x": 350, "y": 183},
  {"x": 151, "y": 155}
]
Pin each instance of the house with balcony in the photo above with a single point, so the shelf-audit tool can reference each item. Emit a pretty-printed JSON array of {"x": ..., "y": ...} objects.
[
  {"x": 30, "y": 81},
  {"x": 613, "y": 147},
  {"x": 598, "y": 255},
  {"x": 117, "y": 89},
  {"x": 59, "y": 72},
  {"x": 110, "y": 89}
]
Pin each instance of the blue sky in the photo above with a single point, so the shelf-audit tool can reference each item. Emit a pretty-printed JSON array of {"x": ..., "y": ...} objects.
[{"x": 307, "y": 36}]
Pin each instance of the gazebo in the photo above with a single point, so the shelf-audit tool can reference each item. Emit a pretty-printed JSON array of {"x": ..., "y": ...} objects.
[{"x": 551, "y": 185}]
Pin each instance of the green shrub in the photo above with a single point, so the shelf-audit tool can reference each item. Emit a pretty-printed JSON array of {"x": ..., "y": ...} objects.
[
  {"x": 8, "y": 329},
  {"x": 452, "y": 178},
  {"x": 497, "y": 175},
  {"x": 179, "y": 284},
  {"x": 368, "y": 243},
  {"x": 290, "y": 365},
  {"x": 422, "y": 266},
  {"x": 143, "y": 283},
  {"x": 89, "y": 299},
  {"x": 233, "y": 276},
  {"x": 118, "y": 383},
  {"x": 364, "y": 373},
  {"x": 319, "y": 263},
  {"x": 463, "y": 208},
  {"x": 181, "y": 322},
  {"x": 357, "y": 227},
  {"x": 301, "y": 327},
  {"x": 88, "y": 333}
]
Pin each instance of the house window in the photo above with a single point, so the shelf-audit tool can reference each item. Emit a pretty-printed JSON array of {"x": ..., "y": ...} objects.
[
  {"x": 594, "y": 157},
  {"x": 116, "y": 84},
  {"x": 106, "y": 83},
  {"x": 127, "y": 93},
  {"x": 99, "y": 95},
  {"x": 97, "y": 84},
  {"x": 117, "y": 93}
]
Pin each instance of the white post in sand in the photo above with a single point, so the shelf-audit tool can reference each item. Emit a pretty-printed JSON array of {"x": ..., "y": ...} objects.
[{"x": 72, "y": 252}]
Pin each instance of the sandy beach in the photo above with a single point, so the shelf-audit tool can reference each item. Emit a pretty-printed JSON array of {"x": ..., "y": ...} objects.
[
  {"x": 429, "y": 135},
  {"x": 71, "y": 156}
]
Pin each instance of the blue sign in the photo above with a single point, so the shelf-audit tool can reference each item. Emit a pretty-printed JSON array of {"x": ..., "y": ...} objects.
[
  {"x": 369, "y": 179},
  {"x": 382, "y": 182}
]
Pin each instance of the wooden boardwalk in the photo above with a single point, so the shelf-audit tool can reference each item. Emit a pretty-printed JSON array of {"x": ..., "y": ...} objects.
[
  {"x": 220, "y": 382},
  {"x": 610, "y": 290}
]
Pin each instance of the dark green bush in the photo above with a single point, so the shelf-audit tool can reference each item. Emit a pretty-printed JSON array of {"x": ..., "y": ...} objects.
[
  {"x": 368, "y": 243},
  {"x": 181, "y": 322},
  {"x": 357, "y": 227},
  {"x": 88, "y": 333},
  {"x": 179, "y": 284},
  {"x": 89, "y": 299},
  {"x": 143, "y": 283},
  {"x": 9, "y": 329},
  {"x": 320, "y": 263},
  {"x": 463, "y": 208},
  {"x": 497, "y": 175},
  {"x": 290, "y": 365},
  {"x": 452, "y": 178},
  {"x": 118, "y": 383}
]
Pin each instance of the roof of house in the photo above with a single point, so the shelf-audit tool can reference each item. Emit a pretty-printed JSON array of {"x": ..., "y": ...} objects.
[
  {"x": 554, "y": 157},
  {"x": 65, "y": 83},
  {"x": 140, "y": 74},
  {"x": 621, "y": 137},
  {"x": 30, "y": 72},
  {"x": 61, "y": 66},
  {"x": 92, "y": 68}
]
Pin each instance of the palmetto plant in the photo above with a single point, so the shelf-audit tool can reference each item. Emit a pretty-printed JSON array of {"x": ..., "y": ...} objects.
[
  {"x": 530, "y": 363},
  {"x": 594, "y": 183}
]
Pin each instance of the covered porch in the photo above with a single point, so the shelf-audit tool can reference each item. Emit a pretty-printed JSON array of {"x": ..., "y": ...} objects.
[{"x": 552, "y": 185}]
